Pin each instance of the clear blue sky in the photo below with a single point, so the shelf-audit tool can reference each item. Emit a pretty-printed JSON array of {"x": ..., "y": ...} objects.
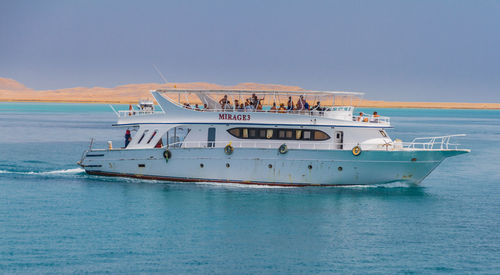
[{"x": 392, "y": 50}]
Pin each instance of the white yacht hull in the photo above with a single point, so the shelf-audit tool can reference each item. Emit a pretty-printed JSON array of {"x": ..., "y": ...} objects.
[{"x": 268, "y": 166}]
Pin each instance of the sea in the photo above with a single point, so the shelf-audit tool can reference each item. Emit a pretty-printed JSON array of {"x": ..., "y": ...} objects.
[{"x": 54, "y": 218}]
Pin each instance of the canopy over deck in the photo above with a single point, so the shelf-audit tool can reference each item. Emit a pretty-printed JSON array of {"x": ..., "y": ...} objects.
[
  {"x": 266, "y": 97},
  {"x": 262, "y": 92}
]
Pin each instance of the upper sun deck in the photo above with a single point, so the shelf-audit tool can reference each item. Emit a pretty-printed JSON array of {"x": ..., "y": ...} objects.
[{"x": 275, "y": 105}]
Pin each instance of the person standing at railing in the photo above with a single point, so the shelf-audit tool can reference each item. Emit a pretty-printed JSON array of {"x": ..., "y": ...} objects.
[
  {"x": 301, "y": 103},
  {"x": 223, "y": 102},
  {"x": 290, "y": 104},
  {"x": 128, "y": 137}
]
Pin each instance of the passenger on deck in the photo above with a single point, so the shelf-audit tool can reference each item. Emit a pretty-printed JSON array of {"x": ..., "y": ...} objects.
[
  {"x": 223, "y": 102},
  {"x": 306, "y": 105},
  {"x": 259, "y": 107},
  {"x": 205, "y": 107},
  {"x": 248, "y": 107},
  {"x": 360, "y": 117},
  {"x": 241, "y": 108},
  {"x": 282, "y": 109},
  {"x": 289, "y": 104},
  {"x": 273, "y": 108},
  {"x": 236, "y": 104},
  {"x": 255, "y": 101},
  {"x": 317, "y": 107},
  {"x": 196, "y": 107},
  {"x": 128, "y": 137},
  {"x": 301, "y": 103},
  {"x": 375, "y": 117}
]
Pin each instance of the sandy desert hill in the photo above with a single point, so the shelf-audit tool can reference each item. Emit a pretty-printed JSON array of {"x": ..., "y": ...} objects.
[{"x": 12, "y": 90}]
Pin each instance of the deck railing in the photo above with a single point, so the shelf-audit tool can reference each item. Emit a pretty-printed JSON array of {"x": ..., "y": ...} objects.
[
  {"x": 318, "y": 113},
  {"x": 257, "y": 144},
  {"x": 426, "y": 143},
  {"x": 433, "y": 143},
  {"x": 136, "y": 113},
  {"x": 372, "y": 119}
]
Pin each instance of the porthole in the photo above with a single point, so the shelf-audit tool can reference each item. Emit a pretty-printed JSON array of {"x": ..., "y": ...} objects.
[
  {"x": 310, "y": 166},
  {"x": 340, "y": 168},
  {"x": 201, "y": 165},
  {"x": 227, "y": 165}
]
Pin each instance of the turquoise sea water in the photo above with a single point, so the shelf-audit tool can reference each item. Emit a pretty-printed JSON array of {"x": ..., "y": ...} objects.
[{"x": 54, "y": 218}]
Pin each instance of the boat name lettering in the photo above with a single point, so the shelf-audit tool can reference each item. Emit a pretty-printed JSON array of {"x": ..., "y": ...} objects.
[{"x": 233, "y": 117}]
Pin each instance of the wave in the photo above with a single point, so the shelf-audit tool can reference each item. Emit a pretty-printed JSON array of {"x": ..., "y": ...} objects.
[{"x": 54, "y": 172}]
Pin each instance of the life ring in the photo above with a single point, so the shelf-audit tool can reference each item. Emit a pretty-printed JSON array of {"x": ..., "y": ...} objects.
[
  {"x": 167, "y": 154},
  {"x": 228, "y": 149},
  {"x": 356, "y": 150},
  {"x": 283, "y": 149}
]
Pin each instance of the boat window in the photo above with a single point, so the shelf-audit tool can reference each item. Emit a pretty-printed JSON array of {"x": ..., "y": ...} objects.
[
  {"x": 152, "y": 136},
  {"x": 307, "y": 135},
  {"x": 252, "y": 133},
  {"x": 262, "y": 133},
  {"x": 143, "y": 134},
  {"x": 286, "y": 134},
  {"x": 382, "y": 132},
  {"x": 318, "y": 135},
  {"x": 298, "y": 134},
  {"x": 281, "y": 134},
  {"x": 235, "y": 132},
  {"x": 175, "y": 136},
  {"x": 269, "y": 133}
]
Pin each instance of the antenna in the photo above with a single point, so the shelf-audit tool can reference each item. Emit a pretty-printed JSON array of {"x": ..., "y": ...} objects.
[{"x": 161, "y": 75}]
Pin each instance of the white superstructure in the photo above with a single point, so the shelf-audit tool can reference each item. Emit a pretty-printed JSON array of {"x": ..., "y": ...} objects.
[{"x": 245, "y": 137}]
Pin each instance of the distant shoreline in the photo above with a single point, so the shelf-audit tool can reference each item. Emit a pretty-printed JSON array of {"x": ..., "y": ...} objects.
[
  {"x": 13, "y": 91},
  {"x": 364, "y": 104}
]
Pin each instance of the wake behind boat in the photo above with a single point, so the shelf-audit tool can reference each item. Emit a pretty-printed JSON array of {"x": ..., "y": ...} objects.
[{"x": 306, "y": 138}]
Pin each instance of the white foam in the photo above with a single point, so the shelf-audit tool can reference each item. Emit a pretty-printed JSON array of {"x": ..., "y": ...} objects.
[
  {"x": 65, "y": 171},
  {"x": 55, "y": 172}
]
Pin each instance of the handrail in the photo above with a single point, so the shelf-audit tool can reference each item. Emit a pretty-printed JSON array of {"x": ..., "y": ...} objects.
[
  {"x": 263, "y": 144},
  {"x": 433, "y": 143},
  {"x": 428, "y": 144},
  {"x": 137, "y": 112},
  {"x": 372, "y": 119}
]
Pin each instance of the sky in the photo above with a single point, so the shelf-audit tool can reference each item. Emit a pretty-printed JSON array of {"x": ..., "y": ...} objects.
[{"x": 391, "y": 50}]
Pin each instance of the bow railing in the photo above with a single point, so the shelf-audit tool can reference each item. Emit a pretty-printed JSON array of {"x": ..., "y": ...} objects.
[{"x": 433, "y": 143}]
